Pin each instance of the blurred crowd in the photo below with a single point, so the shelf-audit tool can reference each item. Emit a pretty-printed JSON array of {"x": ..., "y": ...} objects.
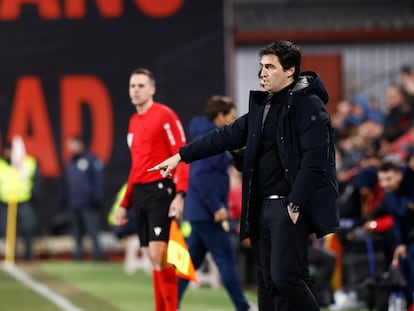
[{"x": 369, "y": 132}]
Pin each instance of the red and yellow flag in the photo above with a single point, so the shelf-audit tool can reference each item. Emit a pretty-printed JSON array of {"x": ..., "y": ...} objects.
[{"x": 178, "y": 255}]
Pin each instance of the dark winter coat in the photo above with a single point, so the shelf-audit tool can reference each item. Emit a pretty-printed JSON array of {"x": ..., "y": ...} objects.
[
  {"x": 400, "y": 204},
  {"x": 305, "y": 142},
  {"x": 84, "y": 181}
]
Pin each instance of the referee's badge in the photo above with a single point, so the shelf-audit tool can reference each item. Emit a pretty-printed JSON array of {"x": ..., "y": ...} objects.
[
  {"x": 157, "y": 230},
  {"x": 130, "y": 138}
]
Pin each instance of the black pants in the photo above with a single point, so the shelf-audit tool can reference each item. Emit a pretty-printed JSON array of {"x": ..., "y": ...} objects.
[{"x": 280, "y": 247}]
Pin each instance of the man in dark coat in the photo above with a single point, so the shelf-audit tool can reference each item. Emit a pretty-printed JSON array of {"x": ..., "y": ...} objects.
[
  {"x": 398, "y": 185},
  {"x": 83, "y": 195},
  {"x": 205, "y": 205},
  {"x": 289, "y": 182}
]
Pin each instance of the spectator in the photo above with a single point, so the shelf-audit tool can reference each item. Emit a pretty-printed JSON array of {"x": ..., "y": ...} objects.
[
  {"x": 365, "y": 108},
  {"x": 18, "y": 185},
  {"x": 406, "y": 78},
  {"x": 398, "y": 185},
  {"x": 359, "y": 110},
  {"x": 341, "y": 117},
  {"x": 374, "y": 216},
  {"x": 368, "y": 136},
  {"x": 83, "y": 195},
  {"x": 398, "y": 114},
  {"x": 349, "y": 154},
  {"x": 400, "y": 147}
]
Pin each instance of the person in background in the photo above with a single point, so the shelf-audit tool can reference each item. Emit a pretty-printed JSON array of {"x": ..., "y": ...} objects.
[
  {"x": 83, "y": 195},
  {"x": 289, "y": 182},
  {"x": 398, "y": 185},
  {"x": 19, "y": 185},
  {"x": 206, "y": 204},
  {"x": 406, "y": 78},
  {"x": 322, "y": 262},
  {"x": 398, "y": 115},
  {"x": 155, "y": 132}
]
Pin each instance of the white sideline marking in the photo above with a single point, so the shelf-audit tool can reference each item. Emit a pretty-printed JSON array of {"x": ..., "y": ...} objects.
[{"x": 43, "y": 290}]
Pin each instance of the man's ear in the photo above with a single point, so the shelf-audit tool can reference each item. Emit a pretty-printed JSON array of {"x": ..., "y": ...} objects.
[
  {"x": 290, "y": 72},
  {"x": 218, "y": 120}
]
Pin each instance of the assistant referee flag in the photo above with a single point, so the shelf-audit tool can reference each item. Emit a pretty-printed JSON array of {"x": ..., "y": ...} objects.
[{"x": 178, "y": 255}]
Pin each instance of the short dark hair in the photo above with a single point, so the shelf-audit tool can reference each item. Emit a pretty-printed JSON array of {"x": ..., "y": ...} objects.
[
  {"x": 289, "y": 54},
  {"x": 389, "y": 166},
  {"x": 217, "y": 104},
  {"x": 144, "y": 71},
  {"x": 77, "y": 138},
  {"x": 405, "y": 69}
]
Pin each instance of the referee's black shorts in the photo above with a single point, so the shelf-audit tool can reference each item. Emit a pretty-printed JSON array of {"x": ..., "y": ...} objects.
[{"x": 151, "y": 204}]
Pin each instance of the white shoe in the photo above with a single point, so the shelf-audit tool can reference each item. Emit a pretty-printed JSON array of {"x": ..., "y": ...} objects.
[
  {"x": 346, "y": 301},
  {"x": 252, "y": 307}
]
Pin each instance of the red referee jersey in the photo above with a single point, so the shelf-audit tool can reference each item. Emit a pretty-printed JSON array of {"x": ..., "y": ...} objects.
[{"x": 153, "y": 137}]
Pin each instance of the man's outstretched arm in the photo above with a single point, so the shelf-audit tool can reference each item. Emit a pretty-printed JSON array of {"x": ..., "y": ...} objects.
[{"x": 165, "y": 167}]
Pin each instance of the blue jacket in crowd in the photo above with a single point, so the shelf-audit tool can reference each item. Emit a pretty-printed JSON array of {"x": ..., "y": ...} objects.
[
  {"x": 208, "y": 186},
  {"x": 84, "y": 181},
  {"x": 400, "y": 205}
]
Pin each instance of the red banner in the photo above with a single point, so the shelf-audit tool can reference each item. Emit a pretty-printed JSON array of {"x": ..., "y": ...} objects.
[{"x": 65, "y": 66}]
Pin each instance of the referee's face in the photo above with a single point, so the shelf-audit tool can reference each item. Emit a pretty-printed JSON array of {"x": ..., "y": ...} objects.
[{"x": 141, "y": 90}]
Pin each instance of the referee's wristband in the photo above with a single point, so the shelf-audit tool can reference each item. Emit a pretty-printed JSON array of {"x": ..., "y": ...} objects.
[{"x": 182, "y": 193}]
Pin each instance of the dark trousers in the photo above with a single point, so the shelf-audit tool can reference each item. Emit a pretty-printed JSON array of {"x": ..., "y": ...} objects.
[
  {"x": 208, "y": 236},
  {"x": 85, "y": 220},
  {"x": 280, "y": 247}
]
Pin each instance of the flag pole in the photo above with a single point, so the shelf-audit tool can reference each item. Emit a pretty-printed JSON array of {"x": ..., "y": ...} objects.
[
  {"x": 11, "y": 232},
  {"x": 18, "y": 154}
]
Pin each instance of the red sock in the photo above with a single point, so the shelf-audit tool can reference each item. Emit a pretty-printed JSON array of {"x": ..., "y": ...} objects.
[
  {"x": 169, "y": 288},
  {"x": 411, "y": 308},
  {"x": 157, "y": 285}
]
